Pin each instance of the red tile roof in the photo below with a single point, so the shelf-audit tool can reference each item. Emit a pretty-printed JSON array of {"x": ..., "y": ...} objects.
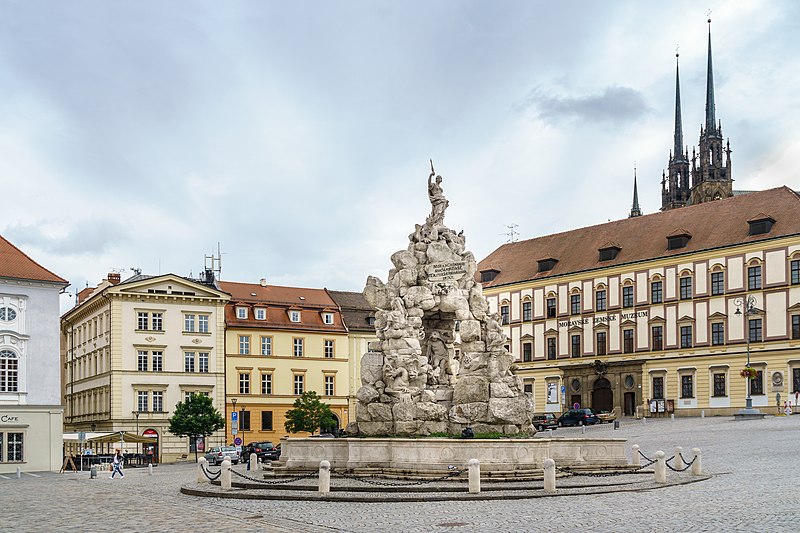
[
  {"x": 711, "y": 225},
  {"x": 15, "y": 264}
]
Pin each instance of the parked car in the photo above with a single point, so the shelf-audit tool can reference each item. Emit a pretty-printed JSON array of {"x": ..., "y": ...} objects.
[
  {"x": 544, "y": 421},
  {"x": 578, "y": 417},
  {"x": 261, "y": 449},
  {"x": 219, "y": 453},
  {"x": 275, "y": 454},
  {"x": 605, "y": 416}
]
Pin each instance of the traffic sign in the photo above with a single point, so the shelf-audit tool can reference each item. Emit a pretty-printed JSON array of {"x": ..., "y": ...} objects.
[
  {"x": 82, "y": 436},
  {"x": 237, "y": 441},
  {"x": 576, "y": 405},
  {"x": 563, "y": 389},
  {"x": 235, "y": 416}
]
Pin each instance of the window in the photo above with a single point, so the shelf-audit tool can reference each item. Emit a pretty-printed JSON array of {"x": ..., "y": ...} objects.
[
  {"x": 795, "y": 326},
  {"x": 158, "y": 401},
  {"x": 717, "y": 334},
  {"x": 601, "y": 343},
  {"x": 600, "y": 300},
  {"x": 656, "y": 292},
  {"x": 677, "y": 241},
  {"x": 795, "y": 271},
  {"x": 488, "y": 275},
  {"x": 658, "y": 337},
  {"x": 546, "y": 265},
  {"x": 575, "y": 343},
  {"x": 9, "y": 371},
  {"x": 687, "y": 386},
  {"x": 202, "y": 323},
  {"x": 202, "y": 362},
  {"x": 244, "y": 420},
  {"x": 261, "y": 314},
  {"x": 575, "y": 304},
  {"x": 142, "y": 361},
  {"x": 299, "y": 386},
  {"x": 551, "y": 308},
  {"x": 294, "y": 316},
  {"x": 297, "y": 347},
  {"x": 527, "y": 312},
  {"x": 241, "y": 313},
  {"x": 14, "y": 448},
  {"x": 244, "y": 383},
  {"x": 142, "y": 322},
  {"x": 504, "y": 314},
  {"x": 754, "y": 277},
  {"x": 329, "y": 385},
  {"x": 266, "y": 384},
  {"x": 795, "y": 380},
  {"x": 719, "y": 385},
  {"x": 627, "y": 340},
  {"x": 142, "y": 401},
  {"x": 188, "y": 323},
  {"x": 686, "y": 336},
  {"x": 754, "y": 327},
  {"x": 188, "y": 362},
  {"x": 158, "y": 321},
  {"x": 760, "y": 226},
  {"x": 158, "y": 360},
  {"x": 328, "y": 348},
  {"x": 327, "y": 318},
  {"x": 717, "y": 283},
  {"x": 658, "y": 388},
  {"x": 527, "y": 352},
  {"x": 266, "y": 420},
  {"x": 527, "y": 388},
  {"x": 757, "y": 383},
  {"x": 7, "y": 314},
  {"x": 551, "y": 347},
  {"x": 627, "y": 296},
  {"x": 244, "y": 344},
  {"x": 266, "y": 345},
  {"x": 607, "y": 254},
  {"x": 686, "y": 287}
]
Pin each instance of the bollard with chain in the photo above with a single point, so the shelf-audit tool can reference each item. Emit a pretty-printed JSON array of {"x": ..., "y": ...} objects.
[
  {"x": 549, "y": 475},
  {"x": 253, "y": 463},
  {"x": 150, "y": 469},
  {"x": 644, "y": 420},
  {"x": 474, "y": 476},
  {"x": 661, "y": 467},
  {"x": 635, "y": 457},
  {"x": 697, "y": 463},
  {"x": 679, "y": 464},
  {"x": 324, "y": 477},
  {"x": 19, "y": 473},
  {"x": 201, "y": 465},
  {"x": 225, "y": 480}
]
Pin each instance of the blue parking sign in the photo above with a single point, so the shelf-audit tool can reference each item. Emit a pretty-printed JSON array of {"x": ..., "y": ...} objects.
[{"x": 235, "y": 416}]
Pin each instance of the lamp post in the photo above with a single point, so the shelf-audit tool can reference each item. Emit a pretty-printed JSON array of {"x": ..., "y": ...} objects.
[
  {"x": 233, "y": 435},
  {"x": 136, "y": 414},
  {"x": 241, "y": 422},
  {"x": 749, "y": 303}
]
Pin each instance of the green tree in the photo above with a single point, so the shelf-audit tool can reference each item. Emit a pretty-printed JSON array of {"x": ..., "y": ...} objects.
[
  {"x": 308, "y": 414},
  {"x": 196, "y": 417}
]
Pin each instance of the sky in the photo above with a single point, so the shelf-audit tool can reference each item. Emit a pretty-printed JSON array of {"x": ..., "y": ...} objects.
[{"x": 297, "y": 135}]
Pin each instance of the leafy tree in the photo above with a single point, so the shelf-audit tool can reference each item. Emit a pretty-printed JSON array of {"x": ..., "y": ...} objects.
[
  {"x": 196, "y": 417},
  {"x": 308, "y": 414}
]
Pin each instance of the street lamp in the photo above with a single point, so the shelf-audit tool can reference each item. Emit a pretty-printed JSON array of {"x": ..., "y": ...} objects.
[
  {"x": 233, "y": 435},
  {"x": 749, "y": 303},
  {"x": 136, "y": 414},
  {"x": 241, "y": 422}
]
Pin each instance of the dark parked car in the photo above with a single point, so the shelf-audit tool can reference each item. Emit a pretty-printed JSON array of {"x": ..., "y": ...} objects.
[
  {"x": 274, "y": 454},
  {"x": 261, "y": 449},
  {"x": 578, "y": 417},
  {"x": 545, "y": 421}
]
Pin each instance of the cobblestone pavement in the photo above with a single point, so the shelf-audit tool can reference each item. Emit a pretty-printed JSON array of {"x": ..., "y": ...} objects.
[{"x": 755, "y": 463}]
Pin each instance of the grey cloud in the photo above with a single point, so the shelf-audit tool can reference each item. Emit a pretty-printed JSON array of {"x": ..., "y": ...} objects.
[
  {"x": 87, "y": 236},
  {"x": 615, "y": 105}
]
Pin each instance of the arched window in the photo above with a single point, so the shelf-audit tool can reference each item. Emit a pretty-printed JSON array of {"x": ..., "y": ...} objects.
[{"x": 9, "y": 371}]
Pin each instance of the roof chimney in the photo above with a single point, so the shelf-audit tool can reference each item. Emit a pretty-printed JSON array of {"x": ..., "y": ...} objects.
[
  {"x": 114, "y": 278},
  {"x": 263, "y": 282}
]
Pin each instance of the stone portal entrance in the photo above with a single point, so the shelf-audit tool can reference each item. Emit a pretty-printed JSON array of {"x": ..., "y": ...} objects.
[{"x": 602, "y": 396}]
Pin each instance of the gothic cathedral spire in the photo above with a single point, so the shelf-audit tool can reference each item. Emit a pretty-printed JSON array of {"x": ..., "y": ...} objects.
[
  {"x": 675, "y": 185},
  {"x": 635, "y": 210}
]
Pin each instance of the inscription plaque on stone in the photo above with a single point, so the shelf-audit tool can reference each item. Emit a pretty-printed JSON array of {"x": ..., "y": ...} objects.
[{"x": 447, "y": 271}]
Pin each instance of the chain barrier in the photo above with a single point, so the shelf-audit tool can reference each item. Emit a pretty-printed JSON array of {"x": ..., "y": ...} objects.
[
  {"x": 372, "y": 479},
  {"x": 643, "y": 455},
  {"x": 213, "y": 475},
  {"x": 687, "y": 467},
  {"x": 604, "y": 474},
  {"x": 276, "y": 481}
]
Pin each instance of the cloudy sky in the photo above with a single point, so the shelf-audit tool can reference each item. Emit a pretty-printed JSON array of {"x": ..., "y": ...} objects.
[{"x": 297, "y": 134}]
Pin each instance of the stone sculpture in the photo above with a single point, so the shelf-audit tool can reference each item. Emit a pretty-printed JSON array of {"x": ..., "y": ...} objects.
[{"x": 413, "y": 381}]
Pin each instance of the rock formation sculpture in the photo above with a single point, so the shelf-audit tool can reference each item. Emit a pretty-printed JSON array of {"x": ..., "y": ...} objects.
[{"x": 413, "y": 380}]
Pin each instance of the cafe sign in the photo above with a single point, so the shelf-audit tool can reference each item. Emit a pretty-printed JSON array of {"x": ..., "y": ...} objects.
[{"x": 9, "y": 418}]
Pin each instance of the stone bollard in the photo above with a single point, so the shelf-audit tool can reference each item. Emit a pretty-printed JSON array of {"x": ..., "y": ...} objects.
[
  {"x": 679, "y": 464},
  {"x": 583, "y": 430},
  {"x": 703, "y": 413},
  {"x": 225, "y": 477},
  {"x": 672, "y": 417},
  {"x": 150, "y": 469},
  {"x": 550, "y": 432},
  {"x": 324, "y": 476},
  {"x": 93, "y": 472},
  {"x": 253, "y": 464},
  {"x": 697, "y": 465},
  {"x": 474, "y": 476},
  {"x": 549, "y": 475},
  {"x": 201, "y": 464},
  {"x": 661, "y": 467},
  {"x": 636, "y": 459},
  {"x": 19, "y": 473},
  {"x": 644, "y": 420}
]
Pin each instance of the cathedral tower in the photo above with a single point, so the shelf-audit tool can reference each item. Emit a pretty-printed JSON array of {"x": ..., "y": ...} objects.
[{"x": 675, "y": 184}]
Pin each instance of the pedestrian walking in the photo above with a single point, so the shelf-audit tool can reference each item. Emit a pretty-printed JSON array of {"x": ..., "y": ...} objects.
[{"x": 116, "y": 465}]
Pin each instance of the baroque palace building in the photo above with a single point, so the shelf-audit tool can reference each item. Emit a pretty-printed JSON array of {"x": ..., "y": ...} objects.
[
  {"x": 281, "y": 342},
  {"x": 131, "y": 350},
  {"x": 650, "y": 314}
]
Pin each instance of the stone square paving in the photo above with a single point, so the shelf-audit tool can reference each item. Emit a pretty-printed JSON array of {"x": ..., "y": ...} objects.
[{"x": 756, "y": 487}]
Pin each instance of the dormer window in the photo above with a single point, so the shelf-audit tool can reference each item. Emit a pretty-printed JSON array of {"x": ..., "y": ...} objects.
[
  {"x": 489, "y": 275},
  {"x": 241, "y": 313},
  {"x": 261, "y": 313},
  {"x": 294, "y": 316},
  {"x": 327, "y": 318},
  {"x": 546, "y": 265},
  {"x": 678, "y": 239},
  {"x": 761, "y": 224},
  {"x": 370, "y": 320},
  {"x": 609, "y": 252}
]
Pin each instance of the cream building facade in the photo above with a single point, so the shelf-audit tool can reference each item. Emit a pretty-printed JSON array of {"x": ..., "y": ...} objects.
[{"x": 132, "y": 350}]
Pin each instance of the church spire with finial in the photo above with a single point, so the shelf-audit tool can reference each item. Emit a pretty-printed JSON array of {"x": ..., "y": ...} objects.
[
  {"x": 675, "y": 185},
  {"x": 711, "y": 120},
  {"x": 677, "y": 149},
  {"x": 635, "y": 210}
]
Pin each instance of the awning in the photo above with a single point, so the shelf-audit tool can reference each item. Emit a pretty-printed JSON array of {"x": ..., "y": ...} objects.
[{"x": 123, "y": 436}]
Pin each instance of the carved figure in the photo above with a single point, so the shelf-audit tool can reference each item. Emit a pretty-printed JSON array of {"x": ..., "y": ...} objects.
[
  {"x": 439, "y": 356},
  {"x": 438, "y": 202}
]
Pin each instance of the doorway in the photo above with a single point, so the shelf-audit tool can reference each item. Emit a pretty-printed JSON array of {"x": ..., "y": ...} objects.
[
  {"x": 630, "y": 404},
  {"x": 602, "y": 396}
]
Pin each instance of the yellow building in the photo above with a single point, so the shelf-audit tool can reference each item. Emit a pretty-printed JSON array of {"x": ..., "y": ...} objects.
[
  {"x": 280, "y": 342},
  {"x": 650, "y": 314},
  {"x": 131, "y": 350}
]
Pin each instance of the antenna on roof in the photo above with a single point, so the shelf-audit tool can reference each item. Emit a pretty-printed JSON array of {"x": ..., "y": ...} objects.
[
  {"x": 512, "y": 232},
  {"x": 136, "y": 271},
  {"x": 213, "y": 265}
]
